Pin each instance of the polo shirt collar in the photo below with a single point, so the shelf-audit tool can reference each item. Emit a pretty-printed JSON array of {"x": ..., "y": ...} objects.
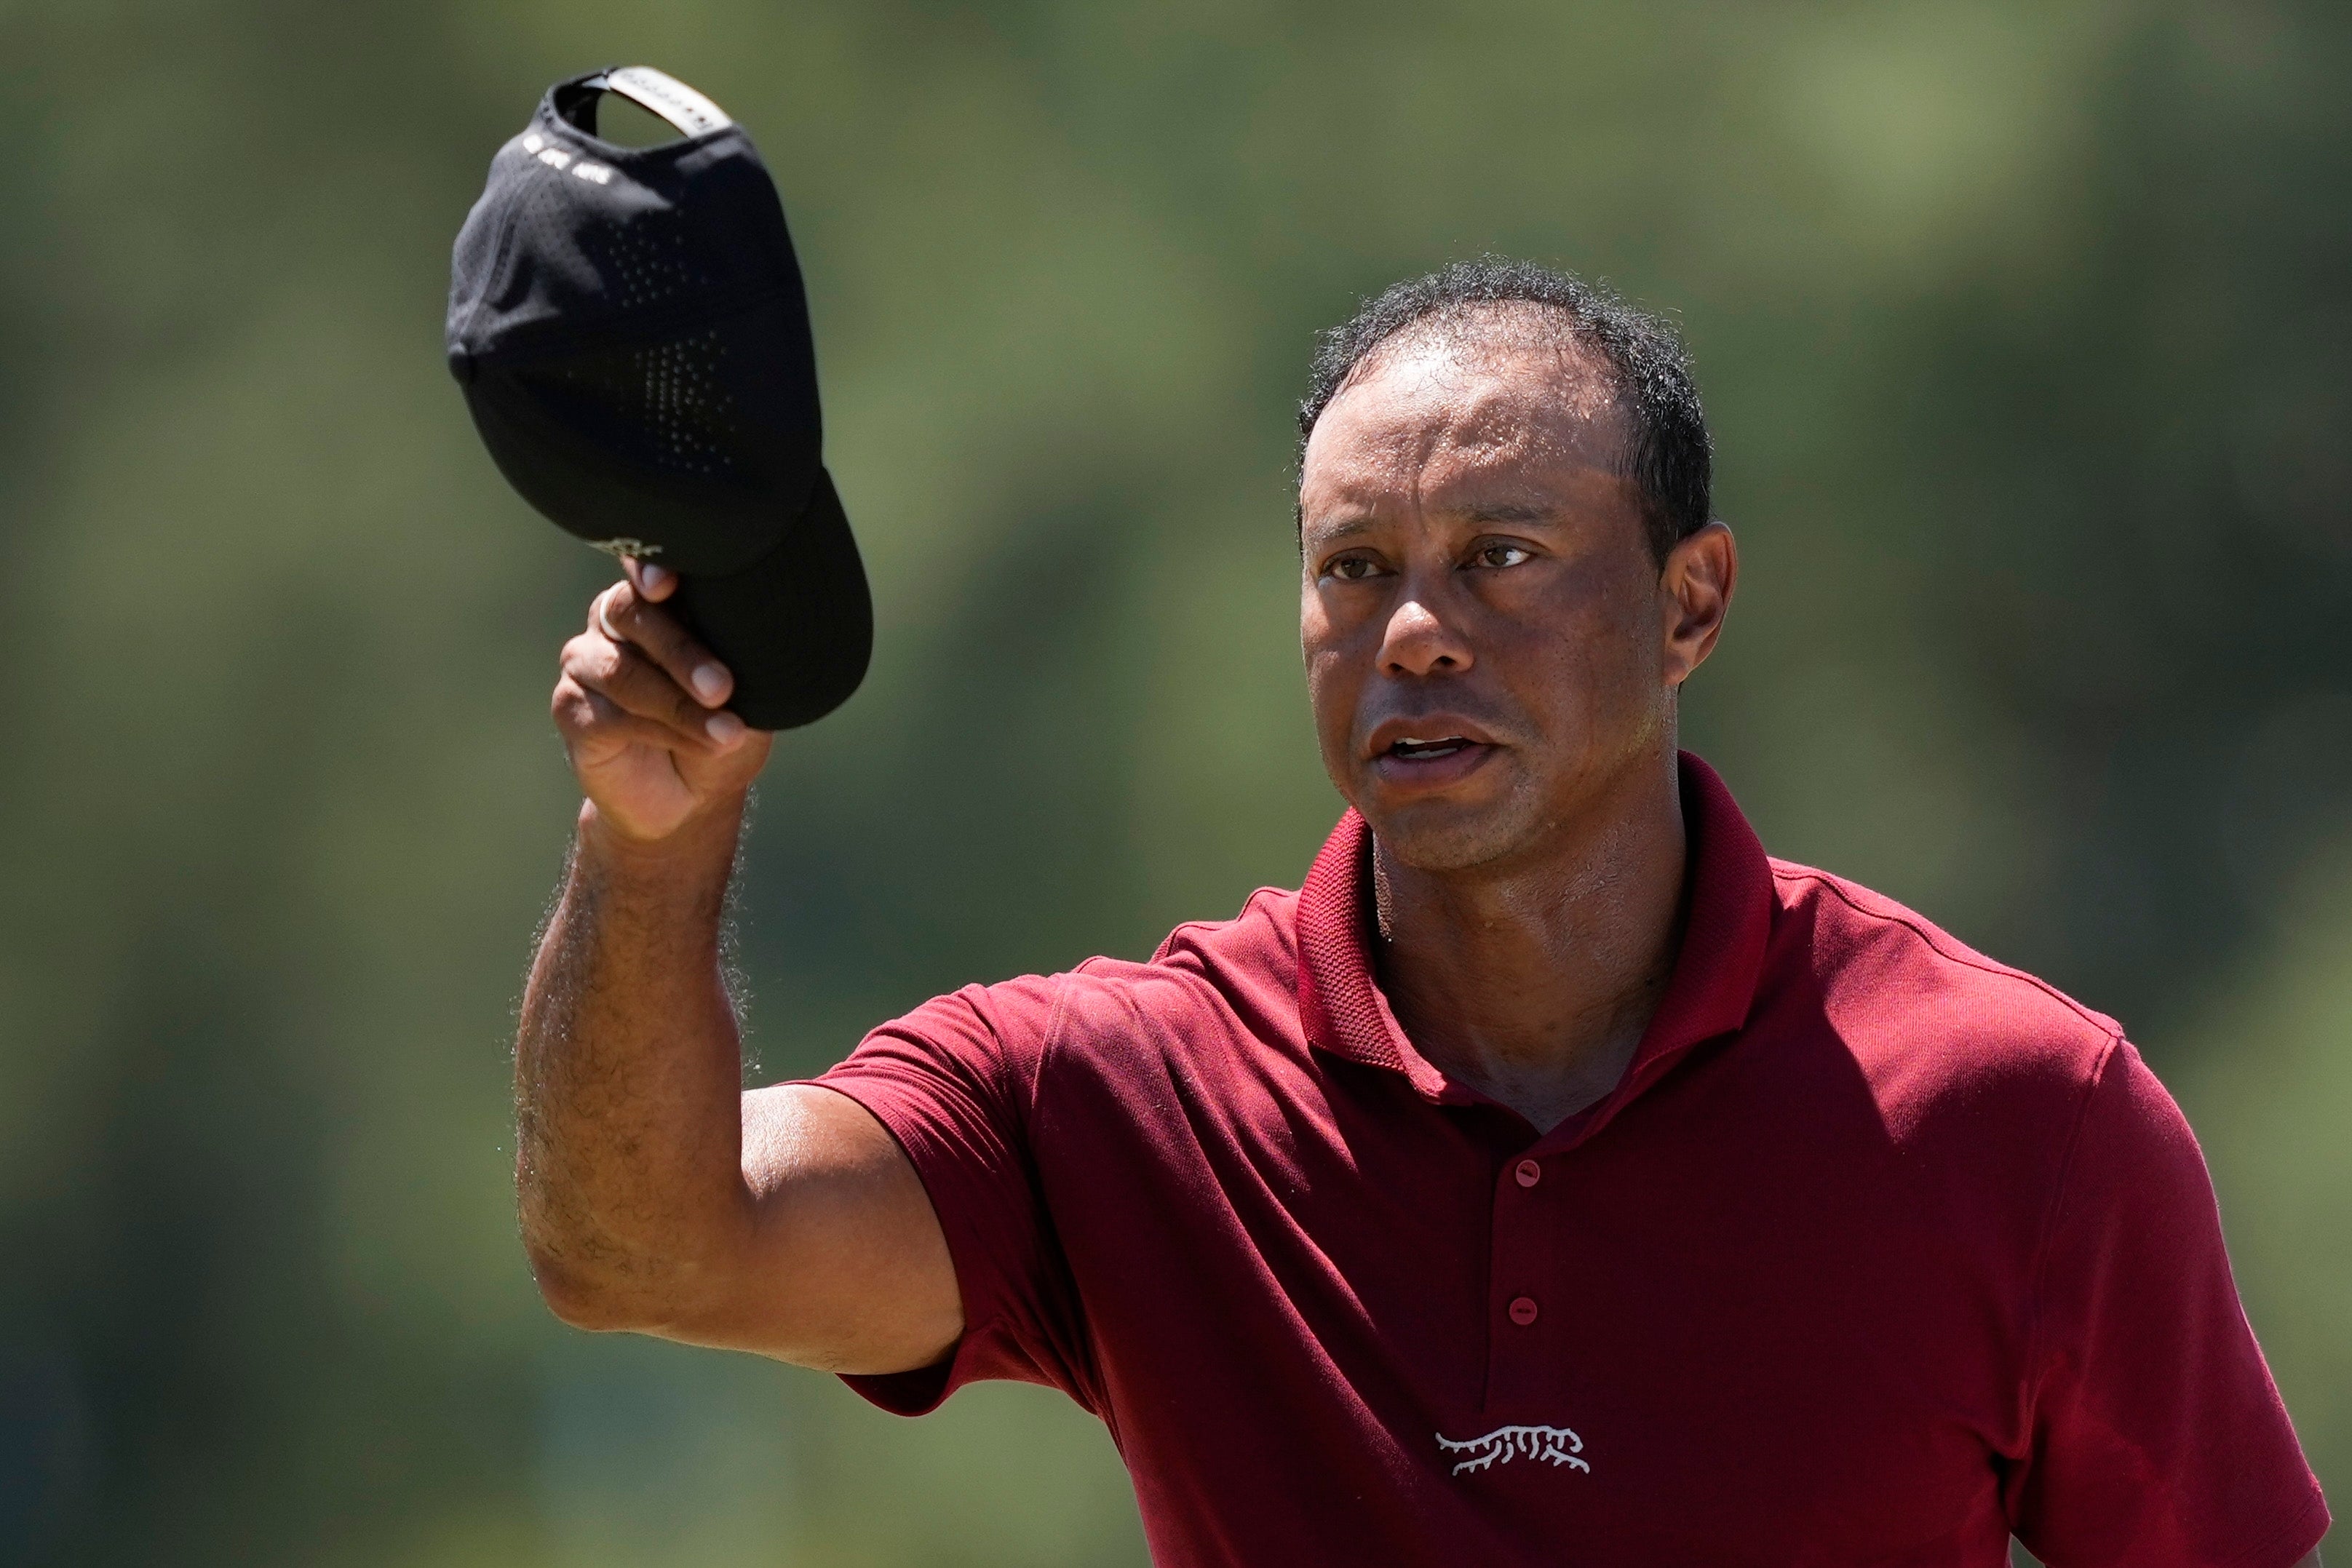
[{"x": 1727, "y": 922}]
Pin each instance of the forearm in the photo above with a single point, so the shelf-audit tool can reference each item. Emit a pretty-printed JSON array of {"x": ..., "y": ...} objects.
[
  {"x": 630, "y": 1154},
  {"x": 627, "y": 1079}
]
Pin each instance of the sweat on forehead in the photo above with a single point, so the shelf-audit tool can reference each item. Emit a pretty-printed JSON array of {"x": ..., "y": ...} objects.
[{"x": 1453, "y": 350}]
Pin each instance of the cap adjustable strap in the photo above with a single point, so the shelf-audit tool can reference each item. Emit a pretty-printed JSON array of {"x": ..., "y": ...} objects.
[{"x": 657, "y": 92}]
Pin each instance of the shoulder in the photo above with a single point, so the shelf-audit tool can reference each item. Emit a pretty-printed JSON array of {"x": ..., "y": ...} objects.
[
  {"x": 1255, "y": 951},
  {"x": 1207, "y": 977},
  {"x": 1931, "y": 1021},
  {"x": 1860, "y": 944},
  {"x": 1264, "y": 932},
  {"x": 1981, "y": 1094}
]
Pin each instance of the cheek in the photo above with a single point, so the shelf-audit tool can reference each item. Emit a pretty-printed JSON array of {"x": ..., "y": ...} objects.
[
  {"x": 1333, "y": 686},
  {"x": 1334, "y": 667},
  {"x": 1596, "y": 656}
]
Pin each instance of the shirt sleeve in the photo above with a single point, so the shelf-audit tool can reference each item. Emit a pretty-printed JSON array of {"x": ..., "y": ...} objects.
[
  {"x": 952, "y": 1082},
  {"x": 2159, "y": 1437}
]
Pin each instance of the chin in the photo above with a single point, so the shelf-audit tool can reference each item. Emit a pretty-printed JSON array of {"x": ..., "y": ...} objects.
[{"x": 1439, "y": 836}]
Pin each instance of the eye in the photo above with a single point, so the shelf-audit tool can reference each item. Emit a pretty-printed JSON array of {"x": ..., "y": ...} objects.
[
  {"x": 1353, "y": 567},
  {"x": 1499, "y": 553}
]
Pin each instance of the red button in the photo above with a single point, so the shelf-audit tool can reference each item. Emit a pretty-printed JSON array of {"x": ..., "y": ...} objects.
[
  {"x": 1530, "y": 1173},
  {"x": 1523, "y": 1310}
]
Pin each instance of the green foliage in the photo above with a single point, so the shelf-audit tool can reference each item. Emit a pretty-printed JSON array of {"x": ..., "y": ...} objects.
[
  {"x": 2023, "y": 331},
  {"x": 2271, "y": 1091}
]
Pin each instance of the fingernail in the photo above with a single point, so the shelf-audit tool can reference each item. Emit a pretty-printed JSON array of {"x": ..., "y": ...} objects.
[
  {"x": 652, "y": 576},
  {"x": 724, "y": 727},
  {"x": 709, "y": 680}
]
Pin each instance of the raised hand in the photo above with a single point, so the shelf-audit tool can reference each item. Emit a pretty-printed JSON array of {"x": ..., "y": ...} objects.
[{"x": 642, "y": 708}]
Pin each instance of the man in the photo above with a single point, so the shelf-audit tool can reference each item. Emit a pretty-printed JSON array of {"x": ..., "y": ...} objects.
[{"x": 1552, "y": 1180}]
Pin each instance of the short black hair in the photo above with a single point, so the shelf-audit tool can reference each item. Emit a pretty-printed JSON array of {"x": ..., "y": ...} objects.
[{"x": 1670, "y": 458}]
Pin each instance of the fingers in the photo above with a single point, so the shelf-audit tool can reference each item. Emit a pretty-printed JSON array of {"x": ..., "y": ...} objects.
[
  {"x": 630, "y": 614},
  {"x": 592, "y": 722},
  {"x": 654, "y": 582},
  {"x": 626, "y": 677},
  {"x": 636, "y": 677}
]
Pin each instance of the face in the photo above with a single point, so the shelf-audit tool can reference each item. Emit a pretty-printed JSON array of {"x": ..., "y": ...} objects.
[{"x": 1491, "y": 649}]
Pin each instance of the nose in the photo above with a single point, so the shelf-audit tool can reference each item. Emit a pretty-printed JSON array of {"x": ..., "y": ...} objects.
[{"x": 1417, "y": 642}]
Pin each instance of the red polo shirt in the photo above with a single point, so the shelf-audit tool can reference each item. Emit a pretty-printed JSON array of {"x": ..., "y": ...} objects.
[{"x": 1880, "y": 1251}]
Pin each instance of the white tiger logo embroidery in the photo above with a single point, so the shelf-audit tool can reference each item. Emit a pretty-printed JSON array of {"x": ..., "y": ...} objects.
[{"x": 1553, "y": 1445}]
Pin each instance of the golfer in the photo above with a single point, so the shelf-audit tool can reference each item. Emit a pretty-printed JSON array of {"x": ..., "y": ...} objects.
[{"x": 1552, "y": 1180}]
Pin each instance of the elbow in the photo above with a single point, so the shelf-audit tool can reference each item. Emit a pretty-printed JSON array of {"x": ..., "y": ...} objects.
[
  {"x": 633, "y": 1295},
  {"x": 582, "y": 1298}
]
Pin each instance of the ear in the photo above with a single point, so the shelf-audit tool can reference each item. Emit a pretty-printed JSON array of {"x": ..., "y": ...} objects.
[{"x": 1694, "y": 596}]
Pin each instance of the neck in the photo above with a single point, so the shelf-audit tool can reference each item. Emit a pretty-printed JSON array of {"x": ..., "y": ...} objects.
[{"x": 1533, "y": 980}]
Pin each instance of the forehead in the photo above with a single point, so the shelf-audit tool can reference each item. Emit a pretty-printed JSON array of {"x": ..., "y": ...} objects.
[{"x": 1432, "y": 409}]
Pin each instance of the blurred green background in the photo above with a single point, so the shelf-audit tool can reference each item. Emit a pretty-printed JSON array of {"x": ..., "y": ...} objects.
[{"x": 2025, "y": 331}]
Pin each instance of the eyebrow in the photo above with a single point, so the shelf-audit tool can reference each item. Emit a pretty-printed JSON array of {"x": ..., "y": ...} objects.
[
  {"x": 1511, "y": 512},
  {"x": 1497, "y": 511}
]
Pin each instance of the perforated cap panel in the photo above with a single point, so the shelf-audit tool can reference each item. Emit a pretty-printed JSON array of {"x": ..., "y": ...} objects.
[{"x": 667, "y": 399}]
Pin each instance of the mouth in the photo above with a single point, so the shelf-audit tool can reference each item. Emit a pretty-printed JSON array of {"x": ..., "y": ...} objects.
[
  {"x": 1431, "y": 760},
  {"x": 1415, "y": 748}
]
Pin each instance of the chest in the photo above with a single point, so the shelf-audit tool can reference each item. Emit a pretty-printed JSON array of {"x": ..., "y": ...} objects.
[{"x": 1738, "y": 1308}]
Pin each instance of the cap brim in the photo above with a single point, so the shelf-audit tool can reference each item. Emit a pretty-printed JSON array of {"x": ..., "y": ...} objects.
[{"x": 796, "y": 626}]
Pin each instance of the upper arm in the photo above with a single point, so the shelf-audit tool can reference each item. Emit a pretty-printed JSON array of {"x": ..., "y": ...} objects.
[
  {"x": 2157, "y": 1435},
  {"x": 841, "y": 1263},
  {"x": 893, "y": 1217}
]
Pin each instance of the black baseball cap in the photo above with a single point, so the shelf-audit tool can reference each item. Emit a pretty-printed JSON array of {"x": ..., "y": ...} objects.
[{"x": 631, "y": 334}]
